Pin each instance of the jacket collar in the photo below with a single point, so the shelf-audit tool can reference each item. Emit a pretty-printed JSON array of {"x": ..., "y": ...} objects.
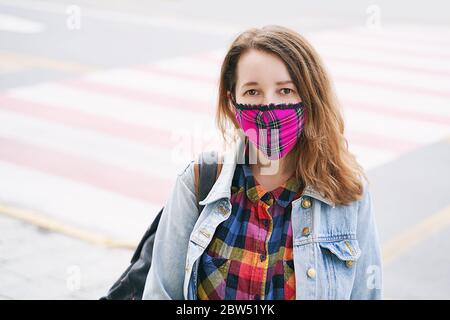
[{"x": 222, "y": 187}]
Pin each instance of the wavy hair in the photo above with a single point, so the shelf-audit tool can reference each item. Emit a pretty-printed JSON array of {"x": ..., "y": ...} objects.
[{"x": 321, "y": 154}]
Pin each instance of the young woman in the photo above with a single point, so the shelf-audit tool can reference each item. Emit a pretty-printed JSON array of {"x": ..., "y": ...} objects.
[{"x": 290, "y": 215}]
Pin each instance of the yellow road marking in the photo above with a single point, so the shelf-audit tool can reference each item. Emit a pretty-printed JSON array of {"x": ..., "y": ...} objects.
[
  {"x": 411, "y": 237},
  {"x": 27, "y": 61},
  {"x": 50, "y": 224}
]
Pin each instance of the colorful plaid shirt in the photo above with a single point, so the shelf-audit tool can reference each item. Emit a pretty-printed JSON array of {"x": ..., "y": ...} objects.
[{"x": 250, "y": 255}]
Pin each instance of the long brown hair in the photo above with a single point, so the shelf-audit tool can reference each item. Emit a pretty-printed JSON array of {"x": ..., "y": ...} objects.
[{"x": 321, "y": 155}]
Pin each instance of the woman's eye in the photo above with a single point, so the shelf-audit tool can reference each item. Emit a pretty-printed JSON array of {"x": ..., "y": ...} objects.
[
  {"x": 251, "y": 90},
  {"x": 290, "y": 90}
]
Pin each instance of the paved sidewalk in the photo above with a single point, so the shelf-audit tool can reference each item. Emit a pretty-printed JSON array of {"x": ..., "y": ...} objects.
[{"x": 36, "y": 264}]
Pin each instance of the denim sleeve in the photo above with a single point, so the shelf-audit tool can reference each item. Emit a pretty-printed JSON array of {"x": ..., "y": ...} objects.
[
  {"x": 368, "y": 279},
  {"x": 166, "y": 275}
]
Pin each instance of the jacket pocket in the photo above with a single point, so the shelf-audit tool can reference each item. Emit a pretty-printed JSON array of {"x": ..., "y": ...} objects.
[
  {"x": 339, "y": 260},
  {"x": 345, "y": 250}
]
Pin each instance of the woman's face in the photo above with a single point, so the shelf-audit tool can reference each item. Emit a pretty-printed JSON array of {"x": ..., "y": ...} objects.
[{"x": 262, "y": 78}]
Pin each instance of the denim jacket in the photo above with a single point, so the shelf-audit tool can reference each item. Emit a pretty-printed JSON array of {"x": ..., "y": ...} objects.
[{"x": 336, "y": 247}]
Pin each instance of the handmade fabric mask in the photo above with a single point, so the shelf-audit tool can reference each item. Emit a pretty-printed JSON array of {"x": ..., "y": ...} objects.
[{"x": 273, "y": 128}]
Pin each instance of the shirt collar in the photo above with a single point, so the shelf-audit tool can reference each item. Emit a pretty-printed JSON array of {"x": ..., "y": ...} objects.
[
  {"x": 222, "y": 187},
  {"x": 283, "y": 194}
]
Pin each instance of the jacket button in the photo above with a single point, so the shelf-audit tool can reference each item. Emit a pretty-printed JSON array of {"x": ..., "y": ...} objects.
[
  {"x": 306, "y": 203},
  {"x": 349, "y": 263},
  {"x": 311, "y": 272},
  {"x": 223, "y": 210},
  {"x": 305, "y": 231}
]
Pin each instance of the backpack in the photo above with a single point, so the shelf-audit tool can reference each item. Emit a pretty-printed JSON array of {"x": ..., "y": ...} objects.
[{"x": 130, "y": 285}]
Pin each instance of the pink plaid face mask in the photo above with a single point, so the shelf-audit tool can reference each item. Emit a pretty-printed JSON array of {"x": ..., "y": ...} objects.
[{"x": 273, "y": 128}]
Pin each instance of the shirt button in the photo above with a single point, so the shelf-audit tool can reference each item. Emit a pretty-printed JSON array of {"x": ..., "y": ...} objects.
[
  {"x": 311, "y": 272},
  {"x": 262, "y": 257},
  {"x": 349, "y": 263},
  {"x": 306, "y": 203},
  {"x": 306, "y": 231}
]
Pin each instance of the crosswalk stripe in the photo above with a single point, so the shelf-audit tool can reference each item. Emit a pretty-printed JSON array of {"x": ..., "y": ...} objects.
[
  {"x": 159, "y": 71},
  {"x": 370, "y": 157},
  {"x": 345, "y": 62},
  {"x": 412, "y": 34},
  {"x": 148, "y": 159},
  {"x": 102, "y": 175},
  {"x": 331, "y": 52},
  {"x": 369, "y": 39},
  {"x": 13, "y": 23},
  {"x": 392, "y": 111},
  {"x": 134, "y": 112},
  {"x": 433, "y": 106},
  {"x": 375, "y": 141},
  {"x": 415, "y": 132},
  {"x": 402, "y": 54},
  {"x": 393, "y": 80},
  {"x": 162, "y": 83},
  {"x": 142, "y": 96},
  {"x": 72, "y": 118}
]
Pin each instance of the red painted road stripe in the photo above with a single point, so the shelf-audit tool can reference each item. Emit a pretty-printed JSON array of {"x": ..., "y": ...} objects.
[
  {"x": 387, "y": 65},
  {"x": 373, "y": 141},
  {"x": 384, "y": 110},
  {"x": 153, "y": 69},
  {"x": 91, "y": 172},
  {"x": 402, "y": 38},
  {"x": 78, "y": 119},
  {"x": 373, "y": 46},
  {"x": 141, "y": 96},
  {"x": 394, "y": 86}
]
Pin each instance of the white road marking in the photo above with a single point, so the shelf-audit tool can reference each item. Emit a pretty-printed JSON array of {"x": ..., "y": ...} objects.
[{"x": 17, "y": 24}]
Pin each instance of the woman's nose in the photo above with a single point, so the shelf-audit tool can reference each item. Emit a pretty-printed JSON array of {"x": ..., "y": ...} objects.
[{"x": 270, "y": 99}]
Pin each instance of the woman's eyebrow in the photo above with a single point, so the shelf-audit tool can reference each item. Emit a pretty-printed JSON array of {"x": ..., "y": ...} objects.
[
  {"x": 254, "y": 83},
  {"x": 284, "y": 82}
]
